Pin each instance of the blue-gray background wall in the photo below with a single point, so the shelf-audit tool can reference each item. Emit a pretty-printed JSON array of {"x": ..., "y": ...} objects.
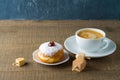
[{"x": 59, "y": 9}]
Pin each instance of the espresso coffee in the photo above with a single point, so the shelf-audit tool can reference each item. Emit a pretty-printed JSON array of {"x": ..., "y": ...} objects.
[{"x": 90, "y": 34}]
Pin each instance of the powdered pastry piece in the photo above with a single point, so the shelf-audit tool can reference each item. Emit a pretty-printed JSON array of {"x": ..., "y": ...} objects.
[{"x": 51, "y": 52}]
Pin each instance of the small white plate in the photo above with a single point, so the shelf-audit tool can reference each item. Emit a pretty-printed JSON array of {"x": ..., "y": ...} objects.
[
  {"x": 36, "y": 58},
  {"x": 71, "y": 45}
]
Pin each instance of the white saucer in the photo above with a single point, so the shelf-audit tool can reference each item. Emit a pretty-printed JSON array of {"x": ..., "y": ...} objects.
[
  {"x": 71, "y": 46},
  {"x": 36, "y": 58}
]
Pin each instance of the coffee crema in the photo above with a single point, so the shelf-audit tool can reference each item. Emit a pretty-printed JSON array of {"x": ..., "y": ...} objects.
[{"x": 90, "y": 34}]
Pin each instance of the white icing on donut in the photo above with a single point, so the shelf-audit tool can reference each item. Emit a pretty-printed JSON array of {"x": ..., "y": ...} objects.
[{"x": 49, "y": 50}]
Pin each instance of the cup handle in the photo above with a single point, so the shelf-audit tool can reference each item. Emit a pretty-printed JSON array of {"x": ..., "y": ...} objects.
[{"x": 105, "y": 44}]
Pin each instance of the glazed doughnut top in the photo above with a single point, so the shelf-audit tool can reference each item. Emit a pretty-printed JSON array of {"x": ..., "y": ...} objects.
[{"x": 50, "y": 50}]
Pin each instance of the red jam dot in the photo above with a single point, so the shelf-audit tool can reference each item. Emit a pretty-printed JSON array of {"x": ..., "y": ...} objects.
[{"x": 51, "y": 44}]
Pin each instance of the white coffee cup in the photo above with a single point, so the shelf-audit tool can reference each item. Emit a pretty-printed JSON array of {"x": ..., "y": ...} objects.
[{"x": 91, "y": 44}]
